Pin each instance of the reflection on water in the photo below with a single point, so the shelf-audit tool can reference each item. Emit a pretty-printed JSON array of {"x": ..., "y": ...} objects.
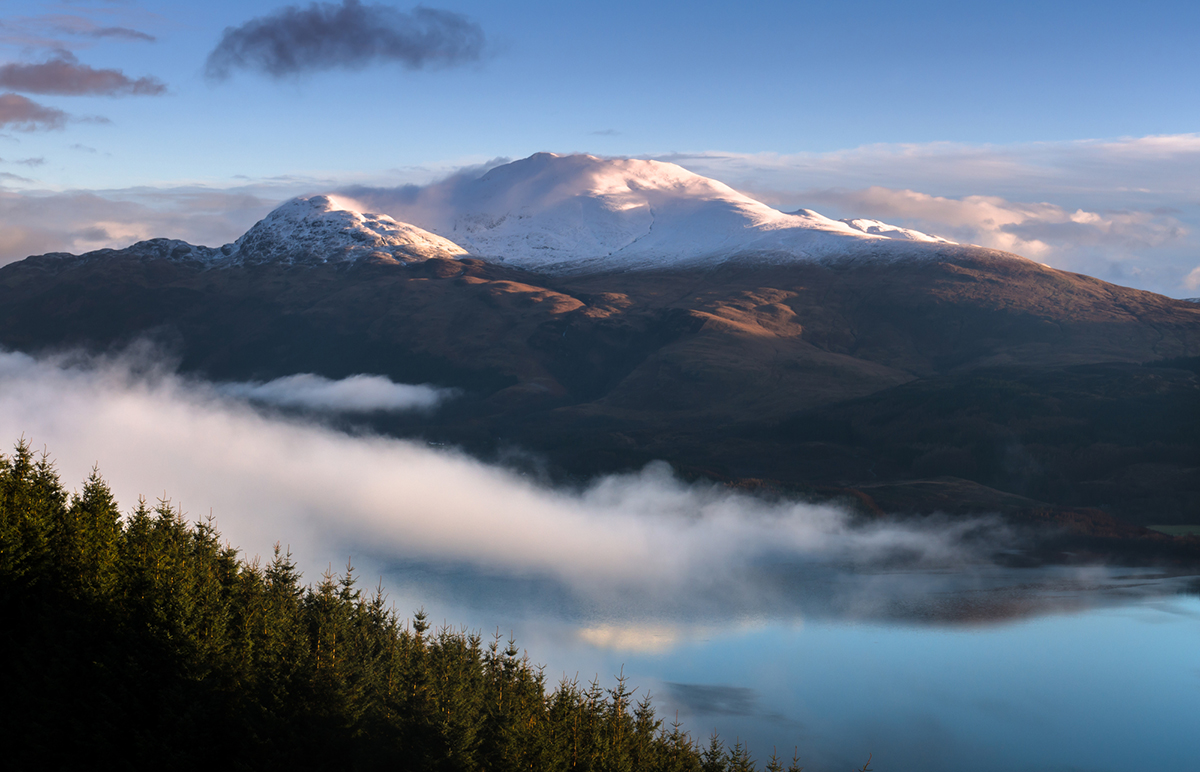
[
  {"x": 981, "y": 669},
  {"x": 962, "y": 595}
]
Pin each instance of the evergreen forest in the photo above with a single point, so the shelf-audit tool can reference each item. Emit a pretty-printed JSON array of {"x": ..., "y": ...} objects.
[{"x": 145, "y": 642}]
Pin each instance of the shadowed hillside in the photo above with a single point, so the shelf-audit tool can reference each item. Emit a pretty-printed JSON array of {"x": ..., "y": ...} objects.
[{"x": 860, "y": 374}]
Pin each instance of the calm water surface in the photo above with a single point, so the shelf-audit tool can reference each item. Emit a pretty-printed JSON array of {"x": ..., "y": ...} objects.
[{"x": 1009, "y": 670}]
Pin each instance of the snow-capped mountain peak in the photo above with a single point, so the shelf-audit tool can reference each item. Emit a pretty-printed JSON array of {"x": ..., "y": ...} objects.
[
  {"x": 319, "y": 229},
  {"x": 556, "y": 214},
  {"x": 580, "y": 213}
]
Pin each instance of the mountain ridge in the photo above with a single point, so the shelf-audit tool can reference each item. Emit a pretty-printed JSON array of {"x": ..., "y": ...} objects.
[
  {"x": 572, "y": 214},
  {"x": 966, "y": 375}
]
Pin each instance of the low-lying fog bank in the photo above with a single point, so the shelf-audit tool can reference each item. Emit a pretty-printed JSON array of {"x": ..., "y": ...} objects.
[{"x": 624, "y": 547}]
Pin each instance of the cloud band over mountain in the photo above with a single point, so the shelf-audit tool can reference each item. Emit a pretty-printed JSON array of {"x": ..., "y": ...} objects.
[{"x": 325, "y": 36}]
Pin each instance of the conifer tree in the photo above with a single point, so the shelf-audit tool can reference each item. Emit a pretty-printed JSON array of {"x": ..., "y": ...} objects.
[{"x": 714, "y": 757}]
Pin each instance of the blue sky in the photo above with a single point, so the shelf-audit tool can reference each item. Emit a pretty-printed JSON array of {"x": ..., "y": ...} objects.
[{"x": 1062, "y": 130}]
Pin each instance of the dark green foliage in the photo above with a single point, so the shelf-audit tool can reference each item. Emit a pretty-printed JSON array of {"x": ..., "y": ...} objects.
[{"x": 146, "y": 642}]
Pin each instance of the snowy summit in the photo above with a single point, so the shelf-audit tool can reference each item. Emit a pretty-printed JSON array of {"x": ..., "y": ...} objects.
[
  {"x": 321, "y": 229},
  {"x": 578, "y": 213}
]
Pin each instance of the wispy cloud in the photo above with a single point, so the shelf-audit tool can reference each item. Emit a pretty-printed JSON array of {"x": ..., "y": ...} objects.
[
  {"x": 60, "y": 30},
  {"x": 123, "y": 33},
  {"x": 64, "y": 75},
  {"x": 355, "y": 394},
  {"x": 1083, "y": 172},
  {"x": 1034, "y": 230},
  {"x": 23, "y": 114},
  {"x": 325, "y": 36},
  {"x": 1192, "y": 282}
]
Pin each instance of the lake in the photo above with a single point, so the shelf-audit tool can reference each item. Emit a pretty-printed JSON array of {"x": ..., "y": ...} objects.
[{"x": 986, "y": 669}]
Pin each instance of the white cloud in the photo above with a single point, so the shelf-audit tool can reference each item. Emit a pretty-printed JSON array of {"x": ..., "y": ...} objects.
[
  {"x": 355, "y": 394},
  {"x": 329, "y": 494},
  {"x": 1192, "y": 281},
  {"x": 1035, "y": 230}
]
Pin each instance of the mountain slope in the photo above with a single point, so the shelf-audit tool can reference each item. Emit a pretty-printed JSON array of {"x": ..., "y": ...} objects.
[{"x": 704, "y": 368}]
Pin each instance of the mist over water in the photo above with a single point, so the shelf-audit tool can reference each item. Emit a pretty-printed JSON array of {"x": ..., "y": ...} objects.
[
  {"x": 780, "y": 623},
  {"x": 637, "y": 545}
]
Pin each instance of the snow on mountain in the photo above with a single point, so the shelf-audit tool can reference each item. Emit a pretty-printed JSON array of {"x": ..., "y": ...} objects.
[
  {"x": 579, "y": 213},
  {"x": 893, "y": 231},
  {"x": 559, "y": 214},
  {"x": 320, "y": 229}
]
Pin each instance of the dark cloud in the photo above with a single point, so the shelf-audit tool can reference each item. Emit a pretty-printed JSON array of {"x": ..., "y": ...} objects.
[
  {"x": 18, "y": 112},
  {"x": 325, "y": 36},
  {"x": 93, "y": 233},
  {"x": 66, "y": 76}
]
